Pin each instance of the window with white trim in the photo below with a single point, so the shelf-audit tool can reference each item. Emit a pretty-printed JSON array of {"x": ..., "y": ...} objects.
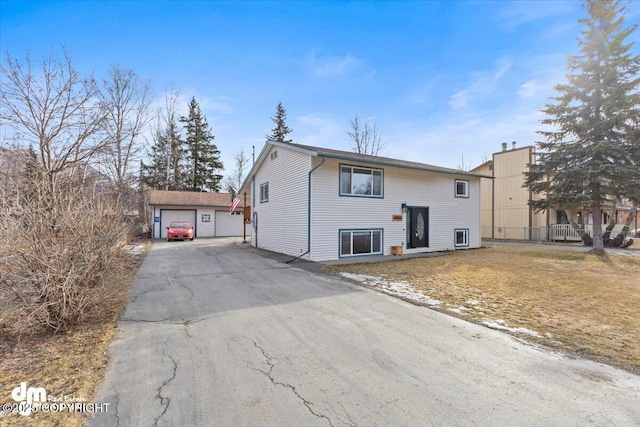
[
  {"x": 360, "y": 242},
  {"x": 264, "y": 192},
  {"x": 462, "y": 237},
  {"x": 461, "y": 188},
  {"x": 361, "y": 181}
]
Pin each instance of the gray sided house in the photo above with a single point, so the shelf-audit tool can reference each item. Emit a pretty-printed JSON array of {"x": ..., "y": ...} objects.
[
  {"x": 208, "y": 212},
  {"x": 324, "y": 204}
]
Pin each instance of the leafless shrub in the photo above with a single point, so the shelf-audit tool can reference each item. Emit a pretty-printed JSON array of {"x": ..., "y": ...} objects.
[{"x": 54, "y": 277}]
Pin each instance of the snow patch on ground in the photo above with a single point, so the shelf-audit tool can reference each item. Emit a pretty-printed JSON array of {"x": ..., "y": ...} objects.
[
  {"x": 459, "y": 310},
  {"x": 402, "y": 289},
  {"x": 405, "y": 290},
  {"x": 500, "y": 325},
  {"x": 136, "y": 249}
]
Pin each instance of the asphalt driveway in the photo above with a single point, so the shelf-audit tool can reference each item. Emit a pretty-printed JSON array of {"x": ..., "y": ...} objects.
[{"x": 216, "y": 335}]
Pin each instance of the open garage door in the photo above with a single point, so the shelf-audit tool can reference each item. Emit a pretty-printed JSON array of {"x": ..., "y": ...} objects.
[
  {"x": 168, "y": 215},
  {"x": 229, "y": 225}
]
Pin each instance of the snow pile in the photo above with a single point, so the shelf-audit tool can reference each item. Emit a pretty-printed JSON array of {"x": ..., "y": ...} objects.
[
  {"x": 137, "y": 249},
  {"x": 402, "y": 289},
  {"x": 500, "y": 325}
]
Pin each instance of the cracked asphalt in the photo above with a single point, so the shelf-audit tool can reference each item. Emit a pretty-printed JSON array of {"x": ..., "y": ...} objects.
[{"x": 216, "y": 335}]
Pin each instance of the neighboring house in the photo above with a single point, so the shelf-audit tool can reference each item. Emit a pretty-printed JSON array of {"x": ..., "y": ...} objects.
[
  {"x": 506, "y": 213},
  {"x": 324, "y": 204},
  {"x": 208, "y": 212}
]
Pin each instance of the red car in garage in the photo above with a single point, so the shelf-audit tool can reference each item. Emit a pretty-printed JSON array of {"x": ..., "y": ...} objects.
[{"x": 180, "y": 230}]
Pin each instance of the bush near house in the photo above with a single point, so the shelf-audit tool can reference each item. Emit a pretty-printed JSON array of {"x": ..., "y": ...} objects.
[
  {"x": 64, "y": 287},
  {"x": 60, "y": 258}
]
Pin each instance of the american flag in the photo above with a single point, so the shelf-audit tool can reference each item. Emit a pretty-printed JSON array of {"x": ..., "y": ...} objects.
[{"x": 234, "y": 205}]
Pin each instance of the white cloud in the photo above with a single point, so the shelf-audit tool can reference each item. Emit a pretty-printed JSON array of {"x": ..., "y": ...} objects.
[
  {"x": 520, "y": 13},
  {"x": 475, "y": 135},
  {"x": 480, "y": 83},
  {"x": 320, "y": 130},
  {"x": 530, "y": 89},
  {"x": 219, "y": 104},
  {"x": 210, "y": 105},
  {"x": 459, "y": 100},
  {"x": 334, "y": 66},
  {"x": 423, "y": 94}
]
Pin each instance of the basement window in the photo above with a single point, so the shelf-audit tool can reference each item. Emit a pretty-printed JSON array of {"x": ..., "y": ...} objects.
[
  {"x": 462, "y": 237},
  {"x": 360, "y": 242}
]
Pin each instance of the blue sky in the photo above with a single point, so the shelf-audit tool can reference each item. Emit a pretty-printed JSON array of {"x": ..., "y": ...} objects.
[{"x": 441, "y": 79}]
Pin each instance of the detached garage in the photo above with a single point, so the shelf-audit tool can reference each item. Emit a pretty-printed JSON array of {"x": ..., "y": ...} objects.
[{"x": 208, "y": 212}]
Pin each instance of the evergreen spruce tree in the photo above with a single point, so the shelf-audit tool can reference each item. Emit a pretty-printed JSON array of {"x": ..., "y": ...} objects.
[
  {"x": 280, "y": 132},
  {"x": 166, "y": 168},
  {"x": 592, "y": 155},
  {"x": 203, "y": 157}
]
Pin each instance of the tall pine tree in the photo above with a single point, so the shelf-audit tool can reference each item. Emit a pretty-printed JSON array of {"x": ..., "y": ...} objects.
[
  {"x": 592, "y": 155},
  {"x": 203, "y": 157},
  {"x": 280, "y": 132},
  {"x": 166, "y": 168}
]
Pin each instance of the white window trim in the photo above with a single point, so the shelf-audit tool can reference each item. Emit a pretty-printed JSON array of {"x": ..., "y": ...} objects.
[
  {"x": 351, "y": 231},
  {"x": 466, "y": 237},
  {"x": 262, "y": 187},
  {"x": 350, "y": 194},
  {"x": 466, "y": 187}
]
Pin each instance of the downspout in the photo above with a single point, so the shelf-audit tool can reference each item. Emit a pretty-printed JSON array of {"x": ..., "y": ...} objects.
[
  {"x": 254, "y": 225},
  {"x": 493, "y": 197},
  {"x": 308, "y": 213},
  {"x": 530, "y": 198},
  {"x": 309, "y": 205}
]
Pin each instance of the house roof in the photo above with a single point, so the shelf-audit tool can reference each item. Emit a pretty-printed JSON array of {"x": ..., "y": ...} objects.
[
  {"x": 385, "y": 161},
  {"x": 189, "y": 198},
  {"x": 488, "y": 162},
  {"x": 357, "y": 157}
]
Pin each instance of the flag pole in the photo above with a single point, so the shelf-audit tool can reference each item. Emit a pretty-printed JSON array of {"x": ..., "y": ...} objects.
[{"x": 244, "y": 225}]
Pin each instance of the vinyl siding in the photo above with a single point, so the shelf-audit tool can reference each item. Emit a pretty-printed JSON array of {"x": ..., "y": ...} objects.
[
  {"x": 486, "y": 188},
  {"x": 512, "y": 214},
  {"x": 206, "y": 229},
  {"x": 203, "y": 229},
  {"x": 332, "y": 212},
  {"x": 282, "y": 221}
]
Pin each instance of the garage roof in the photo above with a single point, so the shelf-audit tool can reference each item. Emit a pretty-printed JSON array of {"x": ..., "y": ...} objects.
[{"x": 190, "y": 198}]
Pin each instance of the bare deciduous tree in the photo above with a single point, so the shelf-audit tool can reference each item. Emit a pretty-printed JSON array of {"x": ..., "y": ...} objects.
[
  {"x": 55, "y": 110},
  {"x": 365, "y": 136},
  {"x": 463, "y": 165},
  {"x": 235, "y": 180},
  {"x": 62, "y": 240},
  {"x": 125, "y": 99}
]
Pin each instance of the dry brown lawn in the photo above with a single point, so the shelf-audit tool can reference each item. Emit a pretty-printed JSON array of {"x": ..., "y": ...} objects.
[
  {"x": 69, "y": 364},
  {"x": 578, "y": 302}
]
